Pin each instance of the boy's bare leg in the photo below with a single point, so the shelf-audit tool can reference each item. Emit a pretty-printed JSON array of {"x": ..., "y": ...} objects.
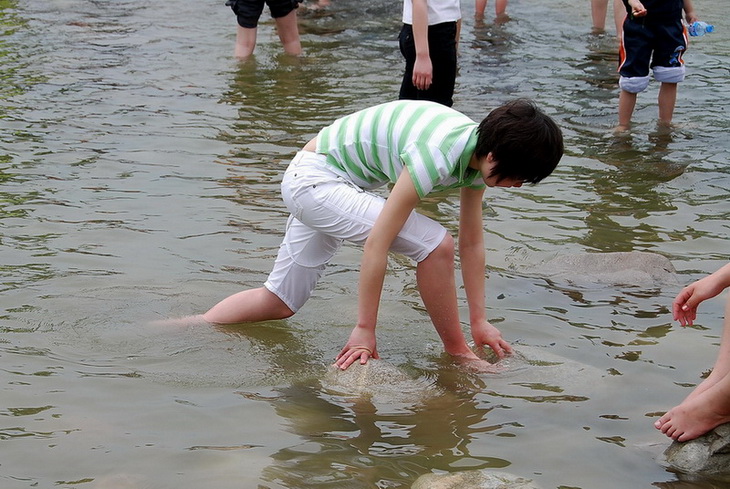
[
  {"x": 436, "y": 283},
  {"x": 722, "y": 364},
  {"x": 288, "y": 31},
  {"x": 245, "y": 42},
  {"x": 479, "y": 7},
  {"x": 248, "y": 306},
  {"x": 667, "y": 99},
  {"x": 599, "y": 9},
  {"x": 626, "y": 104},
  {"x": 500, "y": 7},
  {"x": 619, "y": 14},
  {"x": 708, "y": 405},
  {"x": 698, "y": 414}
]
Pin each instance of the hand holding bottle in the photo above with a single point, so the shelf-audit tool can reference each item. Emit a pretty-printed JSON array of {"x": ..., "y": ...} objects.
[{"x": 700, "y": 28}]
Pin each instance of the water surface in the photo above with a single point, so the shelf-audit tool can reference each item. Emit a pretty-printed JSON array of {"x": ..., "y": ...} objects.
[{"x": 139, "y": 172}]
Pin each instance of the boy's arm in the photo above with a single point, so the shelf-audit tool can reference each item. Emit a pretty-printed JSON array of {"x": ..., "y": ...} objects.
[
  {"x": 423, "y": 68},
  {"x": 684, "y": 307},
  {"x": 689, "y": 12},
  {"x": 398, "y": 206},
  {"x": 473, "y": 268}
]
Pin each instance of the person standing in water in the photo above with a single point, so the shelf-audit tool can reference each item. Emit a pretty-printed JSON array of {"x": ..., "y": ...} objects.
[
  {"x": 248, "y": 13},
  {"x": 653, "y": 37},
  {"x": 429, "y": 42}
]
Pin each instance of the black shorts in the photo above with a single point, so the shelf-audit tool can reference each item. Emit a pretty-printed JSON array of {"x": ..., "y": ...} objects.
[{"x": 248, "y": 11}]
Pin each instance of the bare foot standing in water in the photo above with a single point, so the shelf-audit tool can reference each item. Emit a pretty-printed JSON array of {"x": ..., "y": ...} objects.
[
  {"x": 500, "y": 10},
  {"x": 708, "y": 406}
]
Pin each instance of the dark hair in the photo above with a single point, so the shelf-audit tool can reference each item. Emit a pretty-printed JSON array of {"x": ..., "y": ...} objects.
[{"x": 525, "y": 143}]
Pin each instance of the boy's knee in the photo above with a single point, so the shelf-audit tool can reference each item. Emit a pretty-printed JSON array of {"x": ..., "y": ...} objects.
[
  {"x": 445, "y": 249},
  {"x": 285, "y": 313},
  {"x": 669, "y": 74},
  {"x": 633, "y": 84}
]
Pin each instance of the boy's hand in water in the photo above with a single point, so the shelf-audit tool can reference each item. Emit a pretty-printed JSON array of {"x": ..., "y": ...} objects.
[
  {"x": 361, "y": 345},
  {"x": 483, "y": 333}
]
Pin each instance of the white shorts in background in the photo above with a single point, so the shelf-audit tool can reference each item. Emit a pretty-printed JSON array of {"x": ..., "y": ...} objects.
[{"x": 326, "y": 209}]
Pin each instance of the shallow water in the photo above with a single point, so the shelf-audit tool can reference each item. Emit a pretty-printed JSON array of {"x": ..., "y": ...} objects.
[{"x": 139, "y": 170}]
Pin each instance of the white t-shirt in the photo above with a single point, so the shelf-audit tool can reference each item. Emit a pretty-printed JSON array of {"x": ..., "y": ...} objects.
[{"x": 438, "y": 11}]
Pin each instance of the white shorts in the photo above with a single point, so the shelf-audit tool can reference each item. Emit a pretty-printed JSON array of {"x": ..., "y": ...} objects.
[{"x": 326, "y": 209}]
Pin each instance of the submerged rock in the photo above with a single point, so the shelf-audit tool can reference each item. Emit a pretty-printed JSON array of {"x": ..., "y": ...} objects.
[
  {"x": 380, "y": 381},
  {"x": 707, "y": 455},
  {"x": 473, "y": 479},
  {"x": 638, "y": 268},
  {"x": 530, "y": 373}
]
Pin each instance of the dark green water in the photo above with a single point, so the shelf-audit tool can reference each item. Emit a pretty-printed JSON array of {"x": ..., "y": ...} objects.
[{"x": 139, "y": 171}]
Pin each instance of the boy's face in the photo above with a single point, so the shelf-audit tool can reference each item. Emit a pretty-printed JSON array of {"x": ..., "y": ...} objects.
[{"x": 486, "y": 167}]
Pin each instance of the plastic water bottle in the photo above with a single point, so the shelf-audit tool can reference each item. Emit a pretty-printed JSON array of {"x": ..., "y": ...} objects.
[{"x": 700, "y": 28}]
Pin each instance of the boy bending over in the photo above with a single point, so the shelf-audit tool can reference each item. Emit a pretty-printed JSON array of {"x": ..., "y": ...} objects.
[{"x": 422, "y": 148}]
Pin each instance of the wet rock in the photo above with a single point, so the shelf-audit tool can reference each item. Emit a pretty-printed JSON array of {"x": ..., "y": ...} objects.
[
  {"x": 535, "y": 373},
  {"x": 473, "y": 479},
  {"x": 639, "y": 268},
  {"x": 707, "y": 455},
  {"x": 378, "y": 380},
  {"x": 530, "y": 373}
]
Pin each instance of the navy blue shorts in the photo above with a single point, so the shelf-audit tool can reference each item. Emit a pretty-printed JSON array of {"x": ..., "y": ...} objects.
[
  {"x": 248, "y": 11},
  {"x": 650, "y": 44}
]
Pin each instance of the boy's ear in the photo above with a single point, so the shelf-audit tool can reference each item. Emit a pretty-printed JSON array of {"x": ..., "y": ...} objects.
[{"x": 491, "y": 163}]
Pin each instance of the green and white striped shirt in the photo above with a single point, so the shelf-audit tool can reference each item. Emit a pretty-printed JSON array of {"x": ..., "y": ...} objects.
[{"x": 434, "y": 142}]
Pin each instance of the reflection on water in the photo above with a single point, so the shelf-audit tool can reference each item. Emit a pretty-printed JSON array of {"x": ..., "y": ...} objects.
[
  {"x": 355, "y": 442},
  {"x": 139, "y": 179}
]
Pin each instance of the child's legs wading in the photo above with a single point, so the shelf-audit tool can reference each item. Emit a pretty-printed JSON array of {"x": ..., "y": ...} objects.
[
  {"x": 248, "y": 13},
  {"x": 247, "y": 16},
  {"x": 285, "y": 16},
  {"x": 634, "y": 58},
  {"x": 668, "y": 67}
]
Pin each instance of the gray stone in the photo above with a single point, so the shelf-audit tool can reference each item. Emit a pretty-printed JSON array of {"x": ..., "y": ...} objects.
[
  {"x": 473, "y": 479},
  {"x": 536, "y": 371},
  {"x": 708, "y": 455},
  {"x": 380, "y": 381},
  {"x": 530, "y": 372},
  {"x": 638, "y": 268}
]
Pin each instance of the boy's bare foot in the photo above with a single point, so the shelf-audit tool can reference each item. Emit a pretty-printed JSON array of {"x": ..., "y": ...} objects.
[
  {"x": 696, "y": 415},
  {"x": 502, "y": 19},
  {"x": 478, "y": 366}
]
